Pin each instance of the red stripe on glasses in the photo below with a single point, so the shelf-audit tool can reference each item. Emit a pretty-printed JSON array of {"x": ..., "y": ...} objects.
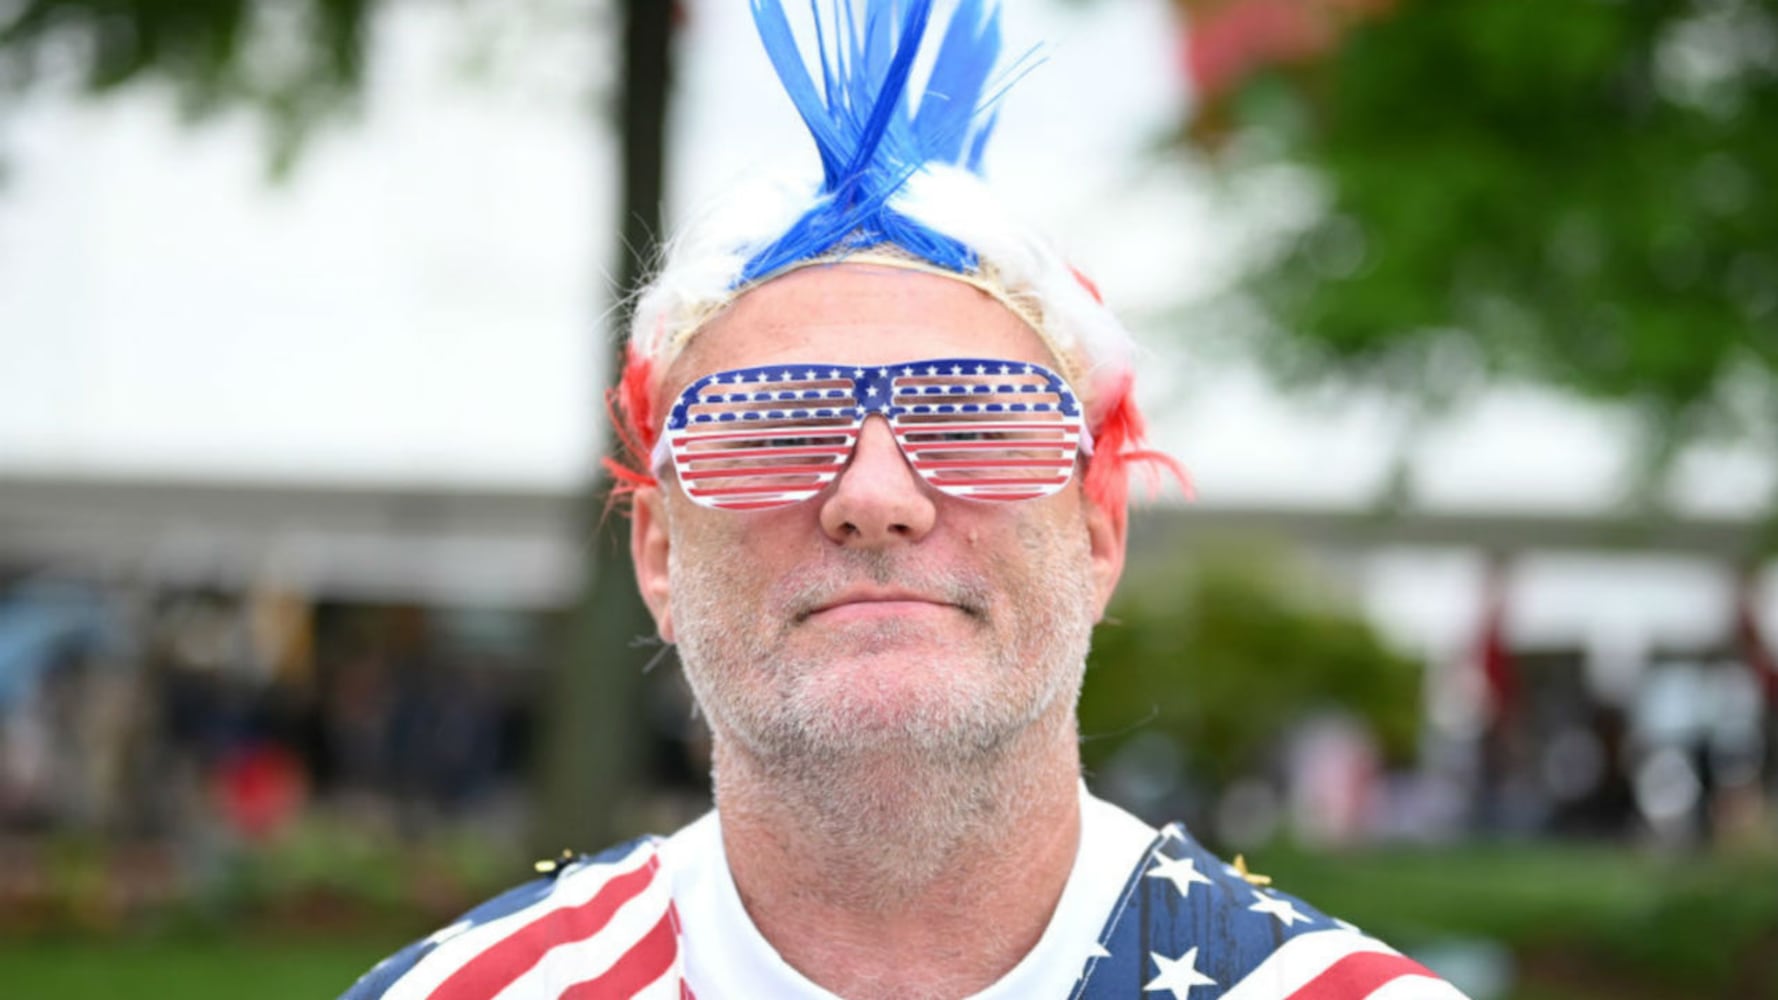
[{"x": 995, "y": 463}]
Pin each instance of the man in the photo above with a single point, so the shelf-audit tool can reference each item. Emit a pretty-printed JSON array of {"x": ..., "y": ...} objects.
[{"x": 882, "y": 504}]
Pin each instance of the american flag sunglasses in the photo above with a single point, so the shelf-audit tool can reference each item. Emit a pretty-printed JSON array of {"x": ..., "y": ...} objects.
[{"x": 775, "y": 435}]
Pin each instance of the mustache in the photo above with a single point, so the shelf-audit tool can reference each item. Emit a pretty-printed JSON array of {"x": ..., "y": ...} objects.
[{"x": 817, "y": 587}]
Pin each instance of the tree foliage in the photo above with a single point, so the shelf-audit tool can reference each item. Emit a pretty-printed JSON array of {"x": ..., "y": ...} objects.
[
  {"x": 1573, "y": 192},
  {"x": 293, "y": 61},
  {"x": 1224, "y": 656}
]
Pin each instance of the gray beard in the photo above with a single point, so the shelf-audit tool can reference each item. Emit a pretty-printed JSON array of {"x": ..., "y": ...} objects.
[{"x": 900, "y": 800}]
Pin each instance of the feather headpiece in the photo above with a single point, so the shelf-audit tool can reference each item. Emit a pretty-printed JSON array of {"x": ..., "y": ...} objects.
[
  {"x": 900, "y": 186},
  {"x": 870, "y": 135}
]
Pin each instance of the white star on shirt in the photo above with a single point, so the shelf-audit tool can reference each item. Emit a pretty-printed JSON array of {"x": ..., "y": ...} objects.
[
  {"x": 1098, "y": 951},
  {"x": 1182, "y": 872},
  {"x": 1278, "y": 907},
  {"x": 1179, "y": 975}
]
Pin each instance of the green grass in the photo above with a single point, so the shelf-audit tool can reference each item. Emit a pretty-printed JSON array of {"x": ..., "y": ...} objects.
[
  {"x": 189, "y": 970},
  {"x": 1630, "y": 924}
]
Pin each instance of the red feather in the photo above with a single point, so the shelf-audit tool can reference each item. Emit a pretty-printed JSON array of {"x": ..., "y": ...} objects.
[
  {"x": 630, "y": 406},
  {"x": 1119, "y": 443}
]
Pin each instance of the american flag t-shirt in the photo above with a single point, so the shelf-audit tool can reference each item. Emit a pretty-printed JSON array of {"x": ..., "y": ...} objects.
[
  {"x": 1185, "y": 926},
  {"x": 1190, "y": 927}
]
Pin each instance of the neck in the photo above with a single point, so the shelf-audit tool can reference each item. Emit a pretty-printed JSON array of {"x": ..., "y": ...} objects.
[{"x": 872, "y": 876}]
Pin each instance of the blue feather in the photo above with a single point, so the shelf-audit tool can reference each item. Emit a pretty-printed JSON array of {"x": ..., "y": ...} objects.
[{"x": 868, "y": 129}]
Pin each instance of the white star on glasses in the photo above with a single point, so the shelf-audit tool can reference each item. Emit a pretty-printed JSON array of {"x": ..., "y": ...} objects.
[
  {"x": 1177, "y": 975},
  {"x": 1182, "y": 872}
]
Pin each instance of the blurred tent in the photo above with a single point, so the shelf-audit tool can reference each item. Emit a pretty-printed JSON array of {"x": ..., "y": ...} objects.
[{"x": 46, "y": 623}]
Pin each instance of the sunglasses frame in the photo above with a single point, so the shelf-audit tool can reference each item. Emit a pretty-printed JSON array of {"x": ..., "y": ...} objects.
[{"x": 813, "y": 413}]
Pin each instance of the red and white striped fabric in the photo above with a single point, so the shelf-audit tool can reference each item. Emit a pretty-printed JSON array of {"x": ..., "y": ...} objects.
[
  {"x": 600, "y": 930},
  {"x": 1340, "y": 965}
]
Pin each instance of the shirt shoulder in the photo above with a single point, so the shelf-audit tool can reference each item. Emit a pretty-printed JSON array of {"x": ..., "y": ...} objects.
[
  {"x": 596, "y": 917},
  {"x": 1188, "y": 923}
]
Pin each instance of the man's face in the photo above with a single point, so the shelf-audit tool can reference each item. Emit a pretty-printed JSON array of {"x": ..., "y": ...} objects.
[{"x": 881, "y": 614}]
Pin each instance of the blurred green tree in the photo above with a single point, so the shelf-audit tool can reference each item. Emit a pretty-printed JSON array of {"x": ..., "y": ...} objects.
[
  {"x": 299, "y": 64},
  {"x": 1223, "y": 655},
  {"x": 1566, "y": 192},
  {"x": 296, "y": 62}
]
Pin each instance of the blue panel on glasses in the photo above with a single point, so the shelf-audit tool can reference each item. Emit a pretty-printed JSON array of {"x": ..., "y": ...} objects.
[{"x": 872, "y": 390}]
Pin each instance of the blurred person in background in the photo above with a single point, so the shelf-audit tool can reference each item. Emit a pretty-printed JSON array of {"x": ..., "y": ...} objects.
[{"x": 880, "y": 438}]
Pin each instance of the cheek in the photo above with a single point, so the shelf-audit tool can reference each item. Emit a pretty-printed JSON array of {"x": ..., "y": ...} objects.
[
  {"x": 726, "y": 565},
  {"x": 1050, "y": 581}
]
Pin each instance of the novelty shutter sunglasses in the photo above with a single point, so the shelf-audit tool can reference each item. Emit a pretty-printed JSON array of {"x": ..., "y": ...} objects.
[{"x": 775, "y": 435}]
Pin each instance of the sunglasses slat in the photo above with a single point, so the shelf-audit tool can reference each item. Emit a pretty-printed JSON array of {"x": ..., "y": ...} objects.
[
  {"x": 746, "y": 454},
  {"x": 738, "y": 490},
  {"x": 985, "y": 483},
  {"x": 686, "y": 440}
]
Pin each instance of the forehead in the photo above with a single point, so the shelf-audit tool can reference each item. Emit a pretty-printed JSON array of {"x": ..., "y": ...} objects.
[{"x": 857, "y": 314}]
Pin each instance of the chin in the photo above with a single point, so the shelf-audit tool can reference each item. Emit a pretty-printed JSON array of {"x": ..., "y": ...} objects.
[{"x": 928, "y": 706}]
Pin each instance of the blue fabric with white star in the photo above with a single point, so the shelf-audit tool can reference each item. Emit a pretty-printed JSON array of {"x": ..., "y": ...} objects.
[{"x": 1187, "y": 924}]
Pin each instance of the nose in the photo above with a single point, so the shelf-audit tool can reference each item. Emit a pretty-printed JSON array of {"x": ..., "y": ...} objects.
[{"x": 878, "y": 499}]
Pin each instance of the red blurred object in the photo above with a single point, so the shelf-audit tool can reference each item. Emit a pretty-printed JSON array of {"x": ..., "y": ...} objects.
[
  {"x": 1752, "y": 642},
  {"x": 1227, "y": 44},
  {"x": 260, "y": 790},
  {"x": 1227, "y": 41},
  {"x": 1492, "y": 653}
]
